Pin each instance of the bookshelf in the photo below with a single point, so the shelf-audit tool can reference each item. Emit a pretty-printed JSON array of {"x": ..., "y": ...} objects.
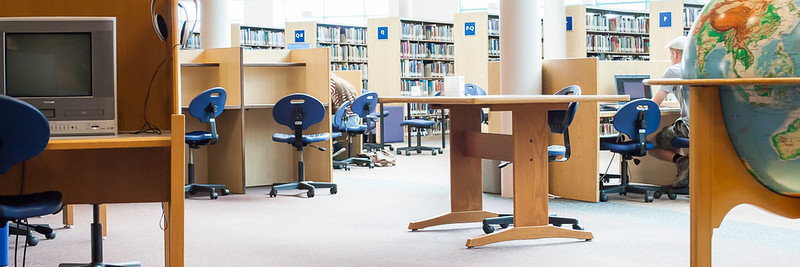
[
  {"x": 608, "y": 34},
  {"x": 257, "y": 38},
  {"x": 690, "y": 12},
  {"x": 348, "y": 44},
  {"x": 683, "y": 15},
  {"x": 255, "y": 80},
  {"x": 193, "y": 42}
]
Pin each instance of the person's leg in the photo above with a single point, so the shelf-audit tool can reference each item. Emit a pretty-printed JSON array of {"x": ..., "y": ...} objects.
[{"x": 665, "y": 151}]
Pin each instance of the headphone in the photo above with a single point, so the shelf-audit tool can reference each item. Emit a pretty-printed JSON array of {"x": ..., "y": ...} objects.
[{"x": 160, "y": 24}]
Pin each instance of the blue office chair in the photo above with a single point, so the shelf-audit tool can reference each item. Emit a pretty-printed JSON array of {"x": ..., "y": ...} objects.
[
  {"x": 473, "y": 90},
  {"x": 371, "y": 144},
  {"x": 25, "y": 134},
  {"x": 421, "y": 124},
  {"x": 672, "y": 193},
  {"x": 299, "y": 112},
  {"x": 636, "y": 120},
  {"x": 559, "y": 122},
  {"x": 206, "y": 107},
  {"x": 362, "y": 106}
]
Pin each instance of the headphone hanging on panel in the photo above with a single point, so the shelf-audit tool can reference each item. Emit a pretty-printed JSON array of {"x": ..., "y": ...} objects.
[
  {"x": 186, "y": 32},
  {"x": 159, "y": 23}
]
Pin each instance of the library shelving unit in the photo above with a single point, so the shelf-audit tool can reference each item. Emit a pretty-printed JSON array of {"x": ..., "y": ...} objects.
[
  {"x": 608, "y": 34},
  {"x": 257, "y": 38},
  {"x": 682, "y": 14},
  {"x": 193, "y": 42},
  {"x": 473, "y": 46},
  {"x": 348, "y": 44},
  {"x": 255, "y": 80}
]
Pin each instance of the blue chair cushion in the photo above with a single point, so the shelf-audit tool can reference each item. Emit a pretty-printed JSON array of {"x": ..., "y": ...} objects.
[
  {"x": 418, "y": 123},
  {"x": 29, "y": 205},
  {"x": 624, "y": 147},
  {"x": 307, "y": 138},
  {"x": 357, "y": 128},
  {"x": 198, "y": 136},
  {"x": 336, "y": 135},
  {"x": 556, "y": 150}
]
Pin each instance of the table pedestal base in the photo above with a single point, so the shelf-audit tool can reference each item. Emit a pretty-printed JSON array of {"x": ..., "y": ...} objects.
[
  {"x": 528, "y": 232},
  {"x": 452, "y": 217}
]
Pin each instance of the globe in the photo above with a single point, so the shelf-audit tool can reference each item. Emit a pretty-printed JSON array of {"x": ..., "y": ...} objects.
[{"x": 753, "y": 39}]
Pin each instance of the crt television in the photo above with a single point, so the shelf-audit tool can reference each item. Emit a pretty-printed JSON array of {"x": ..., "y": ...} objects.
[
  {"x": 632, "y": 85},
  {"x": 64, "y": 66}
]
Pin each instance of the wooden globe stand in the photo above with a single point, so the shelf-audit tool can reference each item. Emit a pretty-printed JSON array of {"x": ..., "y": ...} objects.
[{"x": 719, "y": 181}]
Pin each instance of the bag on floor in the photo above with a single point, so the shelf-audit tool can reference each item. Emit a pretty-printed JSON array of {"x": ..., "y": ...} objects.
[{"x": 381, "y": 158}]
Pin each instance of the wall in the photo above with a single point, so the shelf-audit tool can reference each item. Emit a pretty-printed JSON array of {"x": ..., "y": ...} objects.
[{"x": 439, "y": 10}]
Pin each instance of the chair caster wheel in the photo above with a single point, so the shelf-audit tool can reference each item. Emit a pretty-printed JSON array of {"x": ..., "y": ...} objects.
[
  {"x": 334, "y": 190},
  {"x": 603, "y": 198},
  {"x": 557, "y": 224},
  {"x": 657, "y": 194},
  {"x": 214, "y": 195},
  {"x": 273, "y": 193},
  {"x": 648, "y": 198},
  {"x": 391, "y": 148},
  {"x": 577, "y": 227},
  {"x": 488, "y": 229},
  {"x": 672, "y": 196},
  {"x": 225, "y": 192},
  {"x": 51, "y": 235},
  {"x": 408, "y": 153},
  {"x": 32, "y": 241},
  {"x": 399, "y": 152},
  {"x": 441, "y": 151},
  {"x": 623, "y": 193},
  {"x": 433, "y": 152},
  {"x": 346, "y": 168},
  {"x": 310, "y": 193},
  {"x": 371, "y": 165},
  {"x": 504, "y": 225},
  {"x": 193, "y": 191},
  {"x": 419, "y": 151}
]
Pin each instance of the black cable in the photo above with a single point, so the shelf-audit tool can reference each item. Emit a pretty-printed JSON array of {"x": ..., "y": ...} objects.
[
  {"x": 149, "y": 127},
  {"x": 16, "y": 246},
  {"x": 25, "y": 248}
]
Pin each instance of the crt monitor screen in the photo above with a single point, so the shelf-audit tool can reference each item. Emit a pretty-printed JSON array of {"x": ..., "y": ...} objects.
[
  {"x": 48, "y": 64},
  {"x": 632, "y": 85}
]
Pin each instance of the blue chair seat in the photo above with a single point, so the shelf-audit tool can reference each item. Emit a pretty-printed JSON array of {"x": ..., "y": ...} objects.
[
  {"x": 680, "y": 142},
  {"x": 624, "y": 147},
  {"x": 357, "y": 128},
  {"x": 556, "y": 150},
  {"x": 307, "y": 138},
  {"x": 198, "y": 136},
  {"x": 418, "y": 123},
  {"x": 30, "y": 205}
]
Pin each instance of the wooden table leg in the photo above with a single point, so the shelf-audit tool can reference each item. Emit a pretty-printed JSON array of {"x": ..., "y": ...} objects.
[
  {"x": 466, "y": 192},
  {"x": 68, "y": 216},
  {"x": 531, "y": 138},
  {"x": 174, "y": 209}
]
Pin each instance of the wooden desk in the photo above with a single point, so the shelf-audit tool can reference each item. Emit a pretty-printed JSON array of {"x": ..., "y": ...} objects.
[
  {"x": 115, "y": 169},
  {"x": 526, "y": 147},
  {"x": 720, "y": 181}
]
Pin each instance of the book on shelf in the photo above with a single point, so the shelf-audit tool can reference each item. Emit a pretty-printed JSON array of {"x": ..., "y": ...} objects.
[
  {"x": 616, "y": 23},
  {"x": 690, "y": 14},
  {"x": 251, "y": 36},
  {"x": 341, "y": 34},
  {"x": 617, "y": 44},
  {"x": 426, "y": 32}
]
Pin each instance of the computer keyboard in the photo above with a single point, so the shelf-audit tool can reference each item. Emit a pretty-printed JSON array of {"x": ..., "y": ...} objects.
[{"x": 605, "y": 107}]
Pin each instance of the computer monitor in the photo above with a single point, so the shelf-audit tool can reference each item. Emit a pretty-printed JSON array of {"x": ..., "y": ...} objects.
[
  {"x": 632, "y": 85},
  {"x": 64, "y": 66}
]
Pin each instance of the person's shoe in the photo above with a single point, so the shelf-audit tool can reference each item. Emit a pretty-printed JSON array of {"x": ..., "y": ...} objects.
[{"x": 682, "y": 178}]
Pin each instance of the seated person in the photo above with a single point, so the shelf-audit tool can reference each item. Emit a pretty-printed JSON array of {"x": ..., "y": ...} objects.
[
  {"x": 663, "y": 139},
  {"x": 341, "y": 91}
]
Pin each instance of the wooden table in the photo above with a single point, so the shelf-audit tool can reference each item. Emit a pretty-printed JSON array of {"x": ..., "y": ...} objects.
[
  {"x": 526, "y": 147},
  {"x": 719, "y": 181},
  {"x": 115, "y": 169}
]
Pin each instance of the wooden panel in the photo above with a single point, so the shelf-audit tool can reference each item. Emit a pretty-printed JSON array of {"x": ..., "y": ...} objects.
[
  {"x": 310, "y": 28},
  {"x": 383, "y": 57},
  {"x": 471, "y": 52},
  {"x": 268, "y": 85},
  {"x": 225, "y": 158},
  {"x": 530, "y": 167},
  {"x": 119, "y": 141},
  {"x": 577, "y": 177},
  {"x": 174, "y": 209},
  {"x": 465, "y": 177},
  {"x": 139, "y": 52},
  {"x": 230, "y": 72},
  {"x": 660, "y": 36},
  {"x": 576, "y": 38},
  {"x": 489, "y": 146},
  {"x": 511, "y": 100},
  {"x": 267, "y": 162},
  {"x": 90, "y": 176},
  {"x": 319, "y": 165}
]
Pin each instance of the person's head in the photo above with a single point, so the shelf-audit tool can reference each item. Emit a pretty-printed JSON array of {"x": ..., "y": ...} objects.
[{"x": 676, "y": 49}]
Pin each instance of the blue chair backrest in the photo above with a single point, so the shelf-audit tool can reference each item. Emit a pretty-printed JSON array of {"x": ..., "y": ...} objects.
[
  {"x": 338, "y": 118},
  {"x": 472, "y": 89},
  {"x": 559, "y": 120},
  {"x": 298, "y": 107},
  {"x": 24, "y": 134},
  {"x": 365, "y": 104},
  {"x": 627, "y": 117},
  {"x": 201, "y": 105}
]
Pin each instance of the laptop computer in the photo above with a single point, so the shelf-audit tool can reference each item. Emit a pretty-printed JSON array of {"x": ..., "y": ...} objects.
[{"x": 633, "y": 86}]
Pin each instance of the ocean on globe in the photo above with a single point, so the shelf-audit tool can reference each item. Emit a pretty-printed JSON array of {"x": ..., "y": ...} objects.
[{"x": 754, "y": 39}]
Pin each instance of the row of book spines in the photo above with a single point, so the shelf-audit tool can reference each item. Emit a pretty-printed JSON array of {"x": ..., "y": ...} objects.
[
  {"x": 421, "y": 88},
  {"x": 690, "y": 14},
  {"x": 348, "y": 53},
  {"x": 494, "y": 26},
  {"x": 427, "y": 50},
  {"x": 494, "y": 47},
  {"x": 418, "y": 68},
  {"x": 423, "y": 32},
  {"x": 341, "y": 35},
  {"x": 249, "y": 36},
  {"x": 193, "y": 42},
  {"x": 616, "y": 44},
  {"x": 616, "y": 23},
  {"x": 351, "y": 66},
  {"x": 607, "y": 128}
]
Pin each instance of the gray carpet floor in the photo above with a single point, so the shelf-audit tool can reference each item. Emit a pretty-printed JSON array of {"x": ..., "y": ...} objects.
[{"x": 365, "y": 224}]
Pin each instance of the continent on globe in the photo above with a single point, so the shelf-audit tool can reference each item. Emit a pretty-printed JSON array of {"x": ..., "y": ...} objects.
[{"x": 786, "y": 141}]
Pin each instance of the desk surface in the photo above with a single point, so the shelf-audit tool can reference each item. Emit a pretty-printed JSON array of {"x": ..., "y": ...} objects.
[
  {"x": 503, "y": 99},
  {"x": 111, "y": 141}
]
